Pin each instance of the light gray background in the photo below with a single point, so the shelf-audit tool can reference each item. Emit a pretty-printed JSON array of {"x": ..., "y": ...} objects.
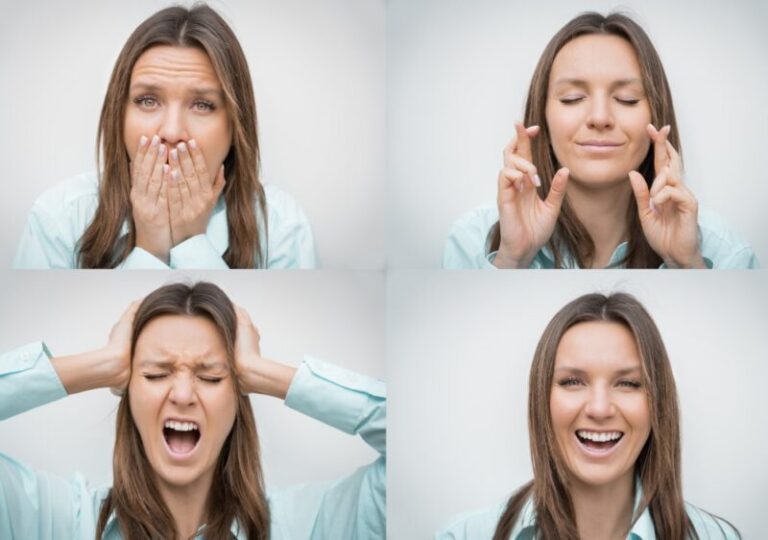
[
  {"x": 335, "y": 316},
  {"x": 319, "y": 77},
  {"x": 458, "y": 73},
  {"x": 459, "y": 354}
]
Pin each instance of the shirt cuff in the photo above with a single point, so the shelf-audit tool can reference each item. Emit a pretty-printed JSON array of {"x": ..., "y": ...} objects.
[
  {"x": 332, "y": 395},
  {"x": 197, "y": 253},
  {"x": 139, "y": 258},
  {"x": 27, "y": 380}
]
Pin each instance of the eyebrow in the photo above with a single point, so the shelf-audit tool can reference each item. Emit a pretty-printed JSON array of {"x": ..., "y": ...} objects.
[
  {"x": 154, "y": 88},
  {"x": 199, "y": 366},
  {"x": 618, "y": 373},
  {"x": 581, "y": 82}
]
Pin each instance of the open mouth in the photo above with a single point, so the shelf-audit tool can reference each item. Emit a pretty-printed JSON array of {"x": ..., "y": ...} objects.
[
  {"x": 181, "y": 438},
  {"x": 598, "y": 442}
]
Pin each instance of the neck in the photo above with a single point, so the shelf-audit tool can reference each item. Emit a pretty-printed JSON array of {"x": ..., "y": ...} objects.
[
  {"x": 187, "y": 505},
  {"x": 603, "y": 212},
  {"x": 604, "y": 512}
]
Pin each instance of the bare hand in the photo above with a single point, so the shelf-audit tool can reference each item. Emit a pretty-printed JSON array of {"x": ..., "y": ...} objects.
[
  {"x": 119, "y": 349},
  {"x": 149, "y": 202},
  {"x": 668, "y": 211},
  {"x": 192, "y": 192},
  {"x": 257, "y": 374},
  {"x": 526, "y": 221}
]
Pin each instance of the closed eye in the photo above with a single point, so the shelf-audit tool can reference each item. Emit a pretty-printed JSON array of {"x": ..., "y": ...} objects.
[
  {"x": 212, "y": 380},
  {"x": 570, "y": 100},
  {"x": 629, "y": 102},
  {"x": 155, "y": 376}
]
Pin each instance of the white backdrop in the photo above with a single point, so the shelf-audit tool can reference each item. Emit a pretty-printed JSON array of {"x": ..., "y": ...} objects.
[
  {"x": 334, "y": 316},
  {"x": 319, "y": 78},
  {"x": 459, "y": 352},
  {"x": 458, "y": 73}
]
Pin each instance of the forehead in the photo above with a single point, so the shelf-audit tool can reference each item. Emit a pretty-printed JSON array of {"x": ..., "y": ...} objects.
[
  {"x": 180, "y": 338},
  {"x": 165, "y": 64},
  {"x": 597, "y": 345},
  {"x": 596, "y": 57}
]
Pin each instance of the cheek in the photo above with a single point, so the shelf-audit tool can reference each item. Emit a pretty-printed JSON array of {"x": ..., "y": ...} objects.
[{"x": 564, "y": 410}]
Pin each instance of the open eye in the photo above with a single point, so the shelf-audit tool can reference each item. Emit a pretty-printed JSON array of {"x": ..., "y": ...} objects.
[
  {"x": 629, "y": 383},
  {"x": 203, "y": 105},
  {"x": 147, "y": 102}
]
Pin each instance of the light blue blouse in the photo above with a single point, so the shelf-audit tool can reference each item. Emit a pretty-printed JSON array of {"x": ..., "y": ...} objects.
[
  {"x": 466, "y": 247},
  {"x": 60, "y": 216},
  {"x": 481, "y": 524},
  {"x": 46, "y": 507}
]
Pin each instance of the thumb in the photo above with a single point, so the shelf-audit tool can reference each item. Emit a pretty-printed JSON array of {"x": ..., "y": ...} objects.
[
  {"x": 557, "y": 190},
  {"x": 642, "y": 194}
]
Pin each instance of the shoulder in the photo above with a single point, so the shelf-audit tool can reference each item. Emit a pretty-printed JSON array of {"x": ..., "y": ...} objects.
[
  {"x": 473, "y": 525},
  {"x": 465, "y": 246},
  {"x": 720, "y": 245},
  {"x": 77, "y": 190},
  {"x": 281, "y": 206},
  {"x": 710, "y": 526}
]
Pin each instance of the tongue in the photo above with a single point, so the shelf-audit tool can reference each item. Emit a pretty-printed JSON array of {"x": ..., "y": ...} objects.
[{"x": 181, "y": 442}]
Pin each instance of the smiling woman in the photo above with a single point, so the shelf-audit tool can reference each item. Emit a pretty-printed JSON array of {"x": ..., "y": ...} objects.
[
  {"x": 178, "y": 160},
  {"x": 186, "y": 460},
  {"x": 596, "y": 178},
  {"x": 604, "y": 433}
]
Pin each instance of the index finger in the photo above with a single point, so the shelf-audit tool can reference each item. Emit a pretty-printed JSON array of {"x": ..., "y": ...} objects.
[
  {"x": 141, "y": 151},
  {"x": 200, "y": 165}
]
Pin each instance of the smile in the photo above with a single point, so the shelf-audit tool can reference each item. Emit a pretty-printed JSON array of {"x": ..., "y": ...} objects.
[
  {"x": 181, "y": 438},
  {"x": 598, "y": 443}
]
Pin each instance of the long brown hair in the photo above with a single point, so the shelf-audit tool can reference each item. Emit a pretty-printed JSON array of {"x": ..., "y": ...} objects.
[
  {"x": 570, "y": 235},
  {"x": 237, "y": 493},
  {"x": 200, "y": 27},
  {"x": 658, "y": 464}
]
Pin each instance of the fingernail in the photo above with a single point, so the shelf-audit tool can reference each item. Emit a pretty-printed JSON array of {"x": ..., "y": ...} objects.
[
  {"x": 183, "y": 148},
  {"x": 162, "y": 150},
  {"x": 174, "y": 155},
  {"x": 536, "y": 180},
  {"x": 166, "y": 168},
  {"x": 143, "y": 140},
  {"x": 175, "y": 174},
  {"x": 193, "y": 144},
  {"x": 155, "y": 140}
]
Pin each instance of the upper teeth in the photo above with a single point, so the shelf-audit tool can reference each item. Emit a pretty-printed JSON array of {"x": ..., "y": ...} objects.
[
  {"x": 599, "y": 437},
  {"x": 180, "y": 426}
]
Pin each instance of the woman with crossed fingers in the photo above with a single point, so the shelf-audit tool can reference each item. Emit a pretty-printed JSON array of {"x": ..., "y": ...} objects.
[
  {"x": 595, "y": 180},
  {"x": 178, "y": 156}
]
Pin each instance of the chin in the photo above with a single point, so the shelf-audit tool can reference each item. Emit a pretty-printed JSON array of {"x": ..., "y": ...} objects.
[{"x": 598, "y": 175}]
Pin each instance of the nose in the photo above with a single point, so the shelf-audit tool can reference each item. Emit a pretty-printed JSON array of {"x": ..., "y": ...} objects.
[
  {"x": 600, "y": 404},
  {"x": 600, "y": 114},
  {"x": 183, "y": 391},
  {"x": 173, "y": 126}
]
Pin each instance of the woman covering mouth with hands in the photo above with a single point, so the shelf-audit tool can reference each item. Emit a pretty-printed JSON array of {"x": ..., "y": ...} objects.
[
  {"x": 178, "y": 150},
  {"x": 595, "y": 180},
  {"x": 186, "y": 459}
]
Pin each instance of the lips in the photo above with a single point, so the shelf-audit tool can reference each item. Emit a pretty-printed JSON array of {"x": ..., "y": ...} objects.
[{"x": 599, "y": 146}]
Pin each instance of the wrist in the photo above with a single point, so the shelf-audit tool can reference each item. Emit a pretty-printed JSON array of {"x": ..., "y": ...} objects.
[
  {"x": 100, "y": 368},
  {"x": 264, "y": 376},
  {"x": 505, "y": 259}
]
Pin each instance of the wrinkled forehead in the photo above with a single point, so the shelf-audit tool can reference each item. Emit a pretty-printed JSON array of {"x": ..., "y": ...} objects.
[
  {"x": 174, "y": 66},
  {"x": 598, "y": 58},
  {"x": 181, "y": 340}
]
